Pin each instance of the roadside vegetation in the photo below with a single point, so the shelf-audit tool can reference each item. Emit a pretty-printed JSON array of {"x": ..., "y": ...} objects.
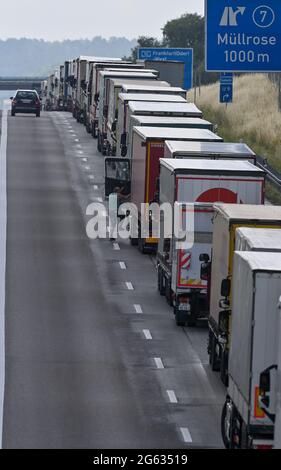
[{"x": 253, "y": 118}]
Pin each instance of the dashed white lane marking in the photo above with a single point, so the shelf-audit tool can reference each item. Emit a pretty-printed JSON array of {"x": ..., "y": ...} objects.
[
  {"x": 116, "y": 246},
  {"x": 3, "y": 235},
  {"x": 76, "y": 140},
  {"x": 172, "y": 396},
  {"x": 80, "y": 152},
  {"x": 147, "y": 334},
  {"x": 96, "y": 188},
  {"x": 159, "y": 363},
  {"x": 85, "y": 160},
  {"x": 129, "y": 286},
  {"x": 87, "y": 168},
  {"x": 186, "y": 435},
  {"x": 122, "y": 265},
  {"x": 138, "y": 308},
  {"x": 91, "y": 177}
]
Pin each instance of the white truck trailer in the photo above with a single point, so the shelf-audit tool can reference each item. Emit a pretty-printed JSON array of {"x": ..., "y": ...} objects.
[
  {"x": 104, "y": 81},
  {"x": 213, "y": 150},
  {"x": 165, "y": 121},
  {"x": 115, "y": 88},
  {"x": 143, "y": 108},
  {"x": 93, "y": 89},
  {"x": 123, "y": 103},
  {"x": 256, "y": 288},
  {"x": 202, "y": 182},
  {"x": 227, "y": 220}
]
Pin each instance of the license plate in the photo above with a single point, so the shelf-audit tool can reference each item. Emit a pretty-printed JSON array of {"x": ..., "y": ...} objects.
[
  {"x": 184, "y": 307},
  {"x": 26, "y": 101}
]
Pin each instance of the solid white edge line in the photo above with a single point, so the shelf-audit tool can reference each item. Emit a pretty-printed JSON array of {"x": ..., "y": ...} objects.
[
  {"x": 138, "y": 308},
  {"x": 3, "y": 241},
  {"x": 186, "y": 435},
  {"x": 159, "y": 363},
  {"x": 147, "y": 334},
  {"x": 172, "y": 396}
]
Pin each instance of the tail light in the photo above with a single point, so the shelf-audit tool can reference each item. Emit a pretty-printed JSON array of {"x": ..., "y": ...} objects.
[{"x": 263, "y": 446}]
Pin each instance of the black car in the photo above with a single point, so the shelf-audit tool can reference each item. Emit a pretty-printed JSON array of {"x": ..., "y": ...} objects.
[{"x": 26, "y": 101}]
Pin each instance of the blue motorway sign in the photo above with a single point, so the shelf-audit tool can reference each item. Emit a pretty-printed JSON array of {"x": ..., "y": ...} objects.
[
  {"x": 243, "y": 35},
  {"x": 173, "y": 54},
  {"x": 226, "y": 88}
]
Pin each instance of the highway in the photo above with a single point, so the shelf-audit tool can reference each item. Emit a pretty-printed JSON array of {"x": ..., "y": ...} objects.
[{"x": 93, "y": 357}]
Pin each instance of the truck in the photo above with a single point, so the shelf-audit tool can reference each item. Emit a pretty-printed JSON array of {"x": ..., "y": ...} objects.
[
  {"x": 123, "y": 101},
  {"x": 142, "y": 108},
  {"x": 115, "y": 88},
  {"x": 165, "y": 121},
  {"x": 213, "y": 150},
  {"x": 148, "y": 149},
  {"x": 203, "y": 183},
  {"x": 93, "y": 88},
  {"x": 103, "y": 99},
  {"x": 83, "y": 70},
  {"x": 256, "y": 287},
  {"x": 227, "y": 219}
]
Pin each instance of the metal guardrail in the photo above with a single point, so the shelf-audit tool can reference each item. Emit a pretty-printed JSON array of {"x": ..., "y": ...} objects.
[{"x": 272, "y": 174}]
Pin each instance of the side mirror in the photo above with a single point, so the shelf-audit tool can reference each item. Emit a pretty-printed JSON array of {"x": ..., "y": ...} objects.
[
  {"x": 267, "y": 391},
  {"x": 123, "y": 139},
  {"x": 225, "y": 288},
  {"x": 123, "y": 151},
  {"x": 204, "y": 258},
  {"x": 11, "y": 98}
]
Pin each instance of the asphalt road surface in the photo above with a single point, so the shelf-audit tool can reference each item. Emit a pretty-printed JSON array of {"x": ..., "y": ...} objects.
[{"x": 93, "y": 356}]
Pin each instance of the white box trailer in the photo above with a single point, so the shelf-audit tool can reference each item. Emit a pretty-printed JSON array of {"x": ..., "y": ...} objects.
[
  {"x": 258, "y": 239},
  {"x": 165, "y": 121},
  {"x": 202, "y": 182},
  {"x": 213, "y": 150},
  {"x": 143, "y": 108},
  {"x": 93, "y": 102},
  {"x": 123, "y": 101},
  {"x": 116, "y": 86},
  {"x": 104, "y": 82},
  {"x": 227, "y": 220},
  {"x": 156, "y": 88},
  {"x": 84, "y": 64},
  {"x": 256, "y": 288}
]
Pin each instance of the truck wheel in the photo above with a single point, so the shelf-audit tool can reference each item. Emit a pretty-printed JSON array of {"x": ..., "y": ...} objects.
[
  {"x": 142, "y": 247},
  {"x": 226, "y": 425},
  {"x": 38, "y": 114},
  {"x": 161, "y": 286},
  {"x": 99, "y": 143},
  {"x": 179, "y": 320},
  {"x": 214, "y": 362},
  {"x": 134, "y": 241},
  {"x": 168, "y": 292},
  {"x": 13, "y": 113},
  {"x": 224, "y": 368},
  {"x": 94, "y": 131}
]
